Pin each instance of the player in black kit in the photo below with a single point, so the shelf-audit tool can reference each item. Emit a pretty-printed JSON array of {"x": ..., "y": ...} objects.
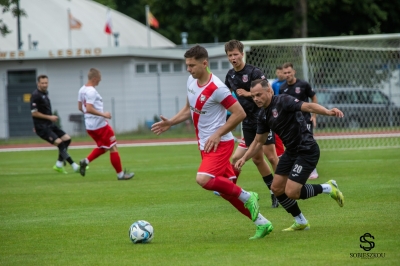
[
  {"x": 301, "y": 90},
  {"x": 283, "y": 114},
  {"x": 238, "y": 79},
  {"x": 43, "y": 120}
]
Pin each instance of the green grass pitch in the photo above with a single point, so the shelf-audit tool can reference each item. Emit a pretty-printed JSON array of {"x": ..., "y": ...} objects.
[{"x": 49, "y": 218}]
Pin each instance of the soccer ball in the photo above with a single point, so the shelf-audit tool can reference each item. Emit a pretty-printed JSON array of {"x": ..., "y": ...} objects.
[{"x": 141, "y": 232}]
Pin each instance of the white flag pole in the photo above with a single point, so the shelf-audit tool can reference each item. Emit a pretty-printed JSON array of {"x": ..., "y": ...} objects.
[
  {"x": 148, "y": 26},
  {"x": 69, "y": 29},
  {"x": 110, "y": 24}
]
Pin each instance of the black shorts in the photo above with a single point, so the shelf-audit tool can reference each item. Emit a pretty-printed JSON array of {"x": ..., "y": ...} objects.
[
  {"x": 310, "y": 126},
  {"x": 300, "y": 165},
  {"x": 49, "y": 133},
  {"x": 250, "y": 135}
]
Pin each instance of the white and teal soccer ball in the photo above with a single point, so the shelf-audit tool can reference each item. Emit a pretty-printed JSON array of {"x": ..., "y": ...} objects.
[{"x": 141, "y": 232}]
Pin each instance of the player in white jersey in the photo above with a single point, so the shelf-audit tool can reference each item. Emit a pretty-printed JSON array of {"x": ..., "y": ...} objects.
[
  {"x": 208, "y": 100},
  {"x": 91, "y": 104}
]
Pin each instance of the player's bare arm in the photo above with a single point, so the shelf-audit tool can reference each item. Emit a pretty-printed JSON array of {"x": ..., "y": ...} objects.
[
  {"x": 91, "y": 110},
  {"x": 80, "y": 106},
  {"x": 165, "y": 124},
  {"x": 237, "y": 115},
  {"x": 319, "y": 109},
  {"x": 243, "y": 92},
  {"x": 255, "y": 147},
  {"x": 52, "y": 118},
  {"x": 314, "y": 115}
]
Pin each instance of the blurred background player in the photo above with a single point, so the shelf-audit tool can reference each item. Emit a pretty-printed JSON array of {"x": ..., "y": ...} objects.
[
  {"x": 208, "y": 99},
  {"x": 91, "y": 104},
  {"x": 43, "y": 121},
  {"x": 276, "y": 84},
  {"x": 301, "y": 90},
  {"x": 238, "y": 80},
  {"x": 280, "y": 79}
]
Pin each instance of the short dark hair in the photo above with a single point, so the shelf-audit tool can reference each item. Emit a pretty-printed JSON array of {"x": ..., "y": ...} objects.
[
  {"x": 232, "y": 45},
  {"x": 42, "y": 77},
  {"x": 279, "y": 67},
  {"x": 263, "y": 82},
  {"x": 198, "y": 52},
  {"x": 287, "y": 64}
]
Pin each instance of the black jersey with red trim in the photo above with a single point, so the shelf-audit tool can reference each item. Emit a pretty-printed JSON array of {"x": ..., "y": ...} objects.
[
  {"x": 242, "y": 80},
  {"x": 40, "y": 102},
  {"x": 301, "y": 90},
  {"x": 285, "y": 118}
]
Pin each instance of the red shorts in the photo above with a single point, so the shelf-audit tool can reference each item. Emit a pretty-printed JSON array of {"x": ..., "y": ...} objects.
[
  {"x": 104, "y": 137},
  {"x": 279, "y": 146},
  {"x": 242, "y": 144},
  {"x": 217, "y": 163}
]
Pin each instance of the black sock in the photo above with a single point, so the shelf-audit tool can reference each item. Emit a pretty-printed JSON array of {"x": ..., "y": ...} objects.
[
  {"x": 63, "y": 153},
  {"x": 66, "y": 143},
  {"x": 290, "y": 205},
  {"x": 268, "y": 180},
  {"x": 308, "y": 191}
]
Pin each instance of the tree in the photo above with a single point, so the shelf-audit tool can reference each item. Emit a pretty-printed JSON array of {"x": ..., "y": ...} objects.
[
  {"x": 110, "y": 3},
  {"x": 9, "y": 6},
  {"x": 338, "y": 17},
  {"x": 210, "y": 20}
]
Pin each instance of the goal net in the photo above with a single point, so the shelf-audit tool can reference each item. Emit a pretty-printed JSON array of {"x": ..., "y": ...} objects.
[{"x": 358, "y": 74}]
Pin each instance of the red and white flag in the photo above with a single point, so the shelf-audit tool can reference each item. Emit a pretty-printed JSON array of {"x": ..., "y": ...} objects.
[
  {"x": 108, "y": 27},
  {"x": 153, "y": 22},
  {"x": 73, "y": 22}
]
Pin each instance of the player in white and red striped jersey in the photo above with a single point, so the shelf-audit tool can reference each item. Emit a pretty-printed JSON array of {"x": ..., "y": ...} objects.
[
  {"x": 208, "y": 100},
  {"x": 91, "y": 104}
]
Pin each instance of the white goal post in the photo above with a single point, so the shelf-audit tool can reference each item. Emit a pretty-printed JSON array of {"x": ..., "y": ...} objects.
[{"x": 358, "y": 74}]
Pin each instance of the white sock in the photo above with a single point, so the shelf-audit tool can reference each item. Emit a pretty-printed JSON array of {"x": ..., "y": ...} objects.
[
  {"x": 87, "y": 161},
  {"x": 260, "y": 220},
  {"x": 300, "y": 219},
  {"x": 75, "y": 166},
  {"x": 326, "y": 188},
  {"x": 120, "y": 174},
  {"x": 59, "y": 164},
  {"x": 244, "y": 196}
]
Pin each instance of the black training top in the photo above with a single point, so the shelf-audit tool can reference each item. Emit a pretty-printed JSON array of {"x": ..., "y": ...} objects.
[
  {"x": 300, "y": 90},
  {"x": 242, "y": 80},
  {"x": 40, "y": 102},
  {"x": 285, "y": 118}
]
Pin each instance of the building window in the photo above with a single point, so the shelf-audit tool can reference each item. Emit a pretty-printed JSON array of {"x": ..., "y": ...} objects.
[
  {"x": 153, "y": 68},
  {"x": 177, "y": 67},
  {"x": 21, "y": 77},
  {"x": 225, "y": 65},
  {"x": 165, "y": 67},
  {"x": 214, "y": 65},
  {"x": 140, "y": 68}
]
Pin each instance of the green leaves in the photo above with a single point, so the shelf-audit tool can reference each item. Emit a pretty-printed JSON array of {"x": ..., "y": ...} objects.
[
  {"x": 9, "y": 6},
  {"x": 210, "y": 20}
]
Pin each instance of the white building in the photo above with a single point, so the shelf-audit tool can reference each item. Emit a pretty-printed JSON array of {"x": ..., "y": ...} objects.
[
  {"x": 47, "y": 23},
  {"x": 138, "y": 82}
]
